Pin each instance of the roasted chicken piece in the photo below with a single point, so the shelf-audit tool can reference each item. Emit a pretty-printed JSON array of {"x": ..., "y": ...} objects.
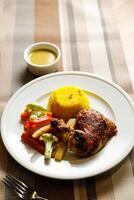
[
  {"x": 59, "y": 125},
  {"x": 91, "y": 133}
]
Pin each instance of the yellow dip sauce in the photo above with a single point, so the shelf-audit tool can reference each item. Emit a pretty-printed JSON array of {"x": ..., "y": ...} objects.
[{"x": 42, "y": 57}]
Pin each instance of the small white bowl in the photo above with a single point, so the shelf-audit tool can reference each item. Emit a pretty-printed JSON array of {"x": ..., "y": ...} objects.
[{"x": 40, "y": 70}]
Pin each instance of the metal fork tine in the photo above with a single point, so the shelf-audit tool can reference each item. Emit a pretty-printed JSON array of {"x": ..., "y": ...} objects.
[
  {"x": 9, "y": 185},
  {"x": 17, "y": 181},
  {"x": 16, "y": 184}
]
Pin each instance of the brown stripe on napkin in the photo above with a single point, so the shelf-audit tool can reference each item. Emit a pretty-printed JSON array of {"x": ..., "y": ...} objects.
[
  {"x": 72, "y": 34},
  {"x": 47, "y": 26},
  {"x": 65, "y": 37},
  {"x": 107, "y": 45},
  {"x": 91, "y": 189},
  {"x": 80, "y": 191}
]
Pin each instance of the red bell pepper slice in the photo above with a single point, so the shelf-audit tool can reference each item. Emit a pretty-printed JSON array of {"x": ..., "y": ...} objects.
[
  {"x": 35, "y": 124},
  {"x": 24, "y": 115},
  {"x": 46, "y": 118},
  {"x": 33, "y": 143}
]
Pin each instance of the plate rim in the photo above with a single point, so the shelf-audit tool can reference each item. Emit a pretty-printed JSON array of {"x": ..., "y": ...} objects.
[{"x": 116, "y": 86}]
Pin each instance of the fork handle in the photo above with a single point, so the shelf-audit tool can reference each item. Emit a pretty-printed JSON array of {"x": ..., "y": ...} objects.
[{"x": 39, "y": 198}]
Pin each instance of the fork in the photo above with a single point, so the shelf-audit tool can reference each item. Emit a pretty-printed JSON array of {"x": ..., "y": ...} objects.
[{"x": 21, "y": 189}]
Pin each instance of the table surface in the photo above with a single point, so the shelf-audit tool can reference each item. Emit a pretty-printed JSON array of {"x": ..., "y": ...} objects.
[{"x": 94, "y": 36}]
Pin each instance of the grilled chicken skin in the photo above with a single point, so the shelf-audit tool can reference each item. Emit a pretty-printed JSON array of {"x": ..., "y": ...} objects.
[{"x": 91, "y": 133}]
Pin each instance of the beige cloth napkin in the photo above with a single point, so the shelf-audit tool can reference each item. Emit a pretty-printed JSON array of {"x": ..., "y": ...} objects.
[{"x": 88, "y": 35}]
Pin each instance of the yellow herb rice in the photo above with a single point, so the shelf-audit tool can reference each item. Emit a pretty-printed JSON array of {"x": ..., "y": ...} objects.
[{"x": 66, "y": 101}]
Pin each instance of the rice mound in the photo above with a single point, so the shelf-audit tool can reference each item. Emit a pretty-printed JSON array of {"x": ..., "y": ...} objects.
[{"x": 65, "y": 102}]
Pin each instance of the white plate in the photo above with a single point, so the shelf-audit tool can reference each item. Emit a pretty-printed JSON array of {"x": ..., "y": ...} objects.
[{"x": 105, "y": 96}]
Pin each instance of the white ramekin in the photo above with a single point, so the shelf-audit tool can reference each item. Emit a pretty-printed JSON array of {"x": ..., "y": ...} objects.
[{"x": 40, "y": 70}]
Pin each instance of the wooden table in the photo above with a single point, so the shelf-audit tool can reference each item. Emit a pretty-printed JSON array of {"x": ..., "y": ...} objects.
[{"x": 95, "y": 36}]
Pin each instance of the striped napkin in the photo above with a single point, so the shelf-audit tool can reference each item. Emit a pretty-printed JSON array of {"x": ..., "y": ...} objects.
[{"x": 88, "y": 35}]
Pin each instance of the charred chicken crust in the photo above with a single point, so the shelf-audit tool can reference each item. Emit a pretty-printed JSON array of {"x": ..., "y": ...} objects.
[{"x": 93, "y": 130}]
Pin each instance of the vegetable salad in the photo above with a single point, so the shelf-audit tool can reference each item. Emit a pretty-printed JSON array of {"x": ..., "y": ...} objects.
[{"x": 39, "y": 134}]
